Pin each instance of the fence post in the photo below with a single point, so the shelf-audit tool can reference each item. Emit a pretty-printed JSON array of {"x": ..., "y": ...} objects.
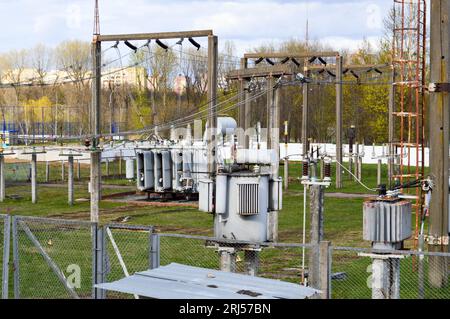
[
  {"x": 325, "y": 269},
  {"x": 99, "y": 251},
  {"x": 317, "y": 212},
  {"x": 5, "y": 268},
  {"x": 47, "y": 172},
  {"x": 155, "y": 250},
  {"x": 16, "y": 265},
  {"x": 78, "y": 170},
  {"x": 63, "y": 173},
  {"x": 120, "y": 164}
]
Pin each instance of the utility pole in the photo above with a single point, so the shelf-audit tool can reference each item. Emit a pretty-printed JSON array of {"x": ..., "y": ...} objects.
[
  {"x": 212, "y": 98},
  {"x": 286, "y": 158},
  {"x": 391, "y": 157},
  {"x": 339, "y": 115},
  {"x": 439, "y": 140},
  {"x": 305, "y": 113},
  {"x": 2, "y": 178},
  {"x": 242, "y": 89},
  {"x": 96, "y": 173}
]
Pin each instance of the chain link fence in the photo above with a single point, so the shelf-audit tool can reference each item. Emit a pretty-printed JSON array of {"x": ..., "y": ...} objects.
[
  {"x": 53, "y": 259},
  {"x": 4, "y": 253},
  {"x": 128, "y": 251},
  {"x": 271, "y": 261},
  {"x": 17, "y": 172},
  {"x": 65, "y": 259},
  {"x": 361, "y": 274},
  {"x": 57, "y": 171}
]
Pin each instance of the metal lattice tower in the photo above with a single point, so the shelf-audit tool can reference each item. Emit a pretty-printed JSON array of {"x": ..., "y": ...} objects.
[{"x": 409, "y": 63}]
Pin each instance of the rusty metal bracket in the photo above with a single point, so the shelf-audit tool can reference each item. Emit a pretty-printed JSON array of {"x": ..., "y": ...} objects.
[{"x": 439, "y": 87}]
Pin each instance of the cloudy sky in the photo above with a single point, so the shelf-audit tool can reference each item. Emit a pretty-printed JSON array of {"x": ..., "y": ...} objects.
[{"x": 340, "y": 23}]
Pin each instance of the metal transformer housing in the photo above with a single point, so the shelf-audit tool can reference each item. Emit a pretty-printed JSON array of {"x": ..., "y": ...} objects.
[
  {"x": 387, "y": 221},
  {"x": 242, "y": 206}
]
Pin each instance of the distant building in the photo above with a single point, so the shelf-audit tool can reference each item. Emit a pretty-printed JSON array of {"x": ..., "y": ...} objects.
[{"x": 135, "y": 76}]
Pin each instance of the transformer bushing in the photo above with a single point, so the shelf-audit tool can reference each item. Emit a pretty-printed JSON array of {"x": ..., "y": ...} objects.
[{"x": 387, "y": 224}]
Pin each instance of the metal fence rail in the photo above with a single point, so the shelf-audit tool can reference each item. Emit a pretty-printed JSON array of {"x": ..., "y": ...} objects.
[{"x": 5, "y": 232}]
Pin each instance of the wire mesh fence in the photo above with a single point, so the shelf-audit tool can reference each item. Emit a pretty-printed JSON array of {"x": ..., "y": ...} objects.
[
  {"x": 53, "y": 259},
  {"x": 4, "y": 253},
  {"x": 272, "y": 261},
  {"x": 128, "y": 251},
  {"x": 60, "y": 259},
  {"x": 58, "y": 171},
  {"x": 360, "y": 274},
  {"x": 17, "y": 172}
]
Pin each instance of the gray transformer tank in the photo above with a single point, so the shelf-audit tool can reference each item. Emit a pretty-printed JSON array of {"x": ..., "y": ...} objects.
[{"x": 243, "y": 206}]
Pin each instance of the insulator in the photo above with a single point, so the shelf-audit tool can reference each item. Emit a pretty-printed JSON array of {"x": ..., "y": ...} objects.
[
  {"x": 195, "y": 44},
  {"x": 295, "y": 62},
  {"x": 259, "y": 61},
  {"x": 305, "y": 169},
  {"x": 162, "y": 45},
  {"x": 131, "y": 46},
  {"x": 327, "y": 170}
]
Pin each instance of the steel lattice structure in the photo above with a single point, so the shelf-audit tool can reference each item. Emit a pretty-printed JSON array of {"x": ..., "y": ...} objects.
[{"x": 408, "y": 117}]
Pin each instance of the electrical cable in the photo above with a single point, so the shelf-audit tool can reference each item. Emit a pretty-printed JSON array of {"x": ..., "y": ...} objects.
[{"x": 356, "y": 178}]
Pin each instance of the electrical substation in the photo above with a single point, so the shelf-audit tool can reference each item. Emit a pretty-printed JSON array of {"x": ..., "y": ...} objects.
[{"x": 271, "y": 202}]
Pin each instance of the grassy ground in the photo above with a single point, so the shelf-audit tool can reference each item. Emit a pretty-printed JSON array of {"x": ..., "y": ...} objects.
[{"x": 343, "y": 227}]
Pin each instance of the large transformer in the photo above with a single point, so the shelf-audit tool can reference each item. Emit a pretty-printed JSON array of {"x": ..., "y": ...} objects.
[
  {"x": 245, "y": 199},
  {"x": 170, "y": 168}
]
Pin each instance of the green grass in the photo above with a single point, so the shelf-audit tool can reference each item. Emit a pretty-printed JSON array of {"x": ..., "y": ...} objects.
[{"x": 343, "y": 227}]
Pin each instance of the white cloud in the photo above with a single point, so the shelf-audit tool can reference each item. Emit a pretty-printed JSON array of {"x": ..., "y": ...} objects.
[{"x": 343, "y": 23}]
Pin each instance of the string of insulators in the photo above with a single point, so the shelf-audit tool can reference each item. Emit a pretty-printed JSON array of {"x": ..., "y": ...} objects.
[
  {"x": 305, "y": 166},
  {"x": 327, "y": 170}
]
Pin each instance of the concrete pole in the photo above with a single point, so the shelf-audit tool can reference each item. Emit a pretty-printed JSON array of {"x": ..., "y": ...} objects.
[
  {"x": 379, "y": 165},
  {"x": 439, "y": 142},
  {"x": 339, "y": 115},
  {"x": 356, "y": 173},
  {"x": 274, "y": 127},
  {"x": 96, "y": 172},
  {"x": 274, "y": 143},
  {"x": 212, "y": 98},
  {"x": 63, "y": 173},
  {"x": 78, "y": 170},
  {"x": 2, "y": 179},
  {"x": 47, "y": 172},
  {"x": 107, "y": 167},
  {"x": 360, "y": 166},
  {"x": 70, "y": 182},
  {"x": 248, "y": 114},
  {"x": 325, "y": 269},
  {"x": 120, "y": 163},
  {"x": 269, "y": 106},
  {"x": 242, "y": 95},
  {"x": 227, "y": 259},
  {"x": 386, "y": 278},
  {"x": 316, "y": 233},
  {"x": 305, "y": 113},
  {"x": 286, "y": 160},
  {"x": 34, "y": 197},
  {"x": 251, "y": 258},
  {"x": 391, "y": 161}
]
